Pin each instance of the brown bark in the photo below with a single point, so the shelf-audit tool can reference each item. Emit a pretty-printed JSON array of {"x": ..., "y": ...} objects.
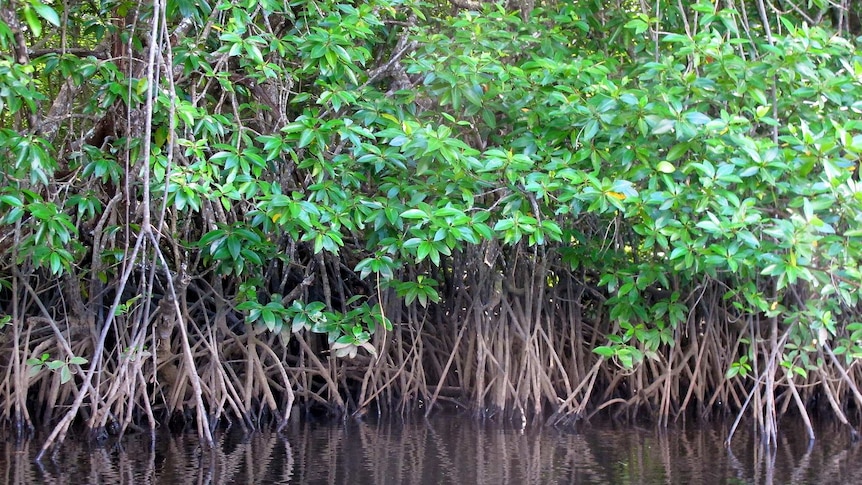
[{"x": 9, "y": 15}]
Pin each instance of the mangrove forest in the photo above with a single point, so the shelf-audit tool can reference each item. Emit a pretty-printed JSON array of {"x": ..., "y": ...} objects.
[{"x": 224, "y": 212}]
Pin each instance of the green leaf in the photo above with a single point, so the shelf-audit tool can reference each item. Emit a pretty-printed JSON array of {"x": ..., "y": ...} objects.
[
  {"x": 504, "y": 224},
  {"x": 677, "y": 151},
  {"x": 605, "y": 351},
  {"x": 696, "y": 118},
  {"x": 424, "y": 249},
  {"x": 234, "y": 246},
  {"x": 414, "y": 214},
  {"x": 254, "y": 53},
  {"x": 65, "y": 374},
  {"x": 11, "y": 200},
  {"x": 269, "y": 319},
  {"x": 665, "y": 167},
  {"x": 305, "y": 138},
  {"x": 32, "y": 21},
  {"x": 46, "y": 12},
  {"x": 638, "y": 25}
]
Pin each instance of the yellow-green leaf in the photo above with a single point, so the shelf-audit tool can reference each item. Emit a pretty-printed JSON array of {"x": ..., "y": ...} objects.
[{"x": 665, "y": 167}]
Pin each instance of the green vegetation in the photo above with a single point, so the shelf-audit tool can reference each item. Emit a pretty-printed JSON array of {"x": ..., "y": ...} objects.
[{"x": 213, "y": 211}]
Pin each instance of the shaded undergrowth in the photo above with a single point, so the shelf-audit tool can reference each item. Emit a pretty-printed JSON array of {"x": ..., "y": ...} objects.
[{"x": 513, "y": 341}]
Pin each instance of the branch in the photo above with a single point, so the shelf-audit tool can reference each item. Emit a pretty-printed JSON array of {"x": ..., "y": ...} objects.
[
  {"x": 378, "y": 73},
  {"x": 467, "y": 4},
  {"x": 80, "y": 52},
  {"x": 402, "y": 47},
  {"x": 10, "y": 17},
  {"x": 297, "y": 291}
]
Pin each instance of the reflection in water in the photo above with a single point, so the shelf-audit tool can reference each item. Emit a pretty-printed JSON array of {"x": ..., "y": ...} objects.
[{"x": 445, "y": 449}]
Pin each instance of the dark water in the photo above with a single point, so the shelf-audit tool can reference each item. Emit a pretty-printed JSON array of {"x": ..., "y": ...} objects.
[{"x": 448, "y": 449}]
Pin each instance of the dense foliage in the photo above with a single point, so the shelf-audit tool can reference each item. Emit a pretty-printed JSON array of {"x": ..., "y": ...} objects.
[{"x": 661, "y": 203}]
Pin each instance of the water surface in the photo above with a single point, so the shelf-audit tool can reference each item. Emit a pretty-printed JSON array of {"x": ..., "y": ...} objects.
[{"x": 447, "y": 449}]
